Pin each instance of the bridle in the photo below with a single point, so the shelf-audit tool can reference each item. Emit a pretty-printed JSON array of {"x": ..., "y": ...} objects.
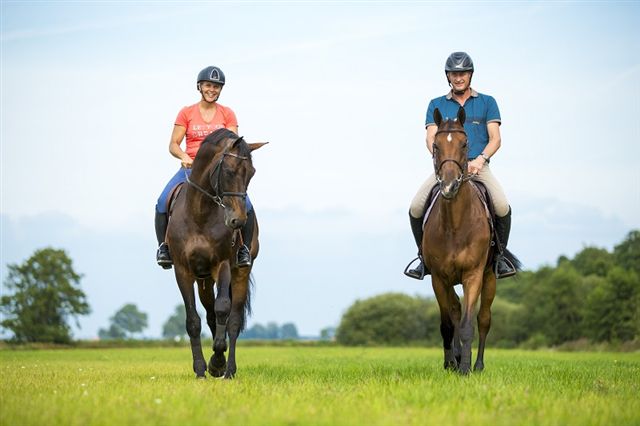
[
  {"x": 463, "y": 167},
  {"x": 218, "y": 193}
]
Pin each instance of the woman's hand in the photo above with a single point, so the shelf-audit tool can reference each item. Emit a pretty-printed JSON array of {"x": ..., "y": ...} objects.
[{"x": 186, "y": 161}]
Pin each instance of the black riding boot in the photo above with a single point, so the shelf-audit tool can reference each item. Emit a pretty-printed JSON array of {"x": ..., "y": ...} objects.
[
  {"x": 503, "y": 267},
  {"x": 244, "y": 254},
  {"x": 421, "y": 269},
  {"x": 162, "y": 255}
]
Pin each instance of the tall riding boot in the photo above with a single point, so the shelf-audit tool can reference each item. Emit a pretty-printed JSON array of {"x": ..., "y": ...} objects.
[
  {"x": 244, "y": 253},
  {"x": 162, "y": 255},
  {"x": 503, "y": 267},
  {"x": 421, "y": 269}
]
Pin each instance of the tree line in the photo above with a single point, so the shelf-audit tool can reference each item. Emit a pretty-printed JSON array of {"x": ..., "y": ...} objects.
[
  {"x": 45, "y": 296},
  {"x": 594, "y": 297}
]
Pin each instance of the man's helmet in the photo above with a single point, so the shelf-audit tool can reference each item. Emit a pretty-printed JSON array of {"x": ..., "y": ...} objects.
[
  {"x": 458, "y": 61},
  {"x": 212, "y": 74}
]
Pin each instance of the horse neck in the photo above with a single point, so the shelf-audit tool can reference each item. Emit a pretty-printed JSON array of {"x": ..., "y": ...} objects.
[
  {"x": 454, "y": 213},
  {"x": 201, "y": 205}
]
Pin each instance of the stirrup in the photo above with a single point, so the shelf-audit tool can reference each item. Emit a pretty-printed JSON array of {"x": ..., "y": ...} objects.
[
  {"x": 417, "y": 272},
  {"x": 244, "y": 257},
  {"x": 510, "y": 270},
  {"x": 163, "y": 257}
]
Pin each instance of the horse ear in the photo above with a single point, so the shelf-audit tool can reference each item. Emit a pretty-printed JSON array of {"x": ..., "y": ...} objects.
[
  {"x": 461, "y": 115},
  {"x": 437, "y": 117},
  {"x": 254, "y": 146}
]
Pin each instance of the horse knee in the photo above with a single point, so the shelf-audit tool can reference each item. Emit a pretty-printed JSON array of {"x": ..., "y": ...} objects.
[
  {"x": 222, "y": 307},
  {"x": 193, "y": 326},
  {"x": 466, "y": 332}
]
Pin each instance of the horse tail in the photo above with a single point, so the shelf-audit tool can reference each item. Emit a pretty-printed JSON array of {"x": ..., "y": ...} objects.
[
  {"x": 513, "y": 259},
  {"x": 247, "y": 304}
]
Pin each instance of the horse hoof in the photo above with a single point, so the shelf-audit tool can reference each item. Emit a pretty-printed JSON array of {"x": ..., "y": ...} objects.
[
  {"x": 465, "y": 370},
  {"x": 203, "y": 377},
  {"x": 229, "y": 376},
  {"x": 450, "y": 365},
  {"x": 217, "y": 366}
]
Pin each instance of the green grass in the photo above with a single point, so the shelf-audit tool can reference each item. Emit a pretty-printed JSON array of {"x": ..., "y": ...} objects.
[{"x": 317, "y": 385}]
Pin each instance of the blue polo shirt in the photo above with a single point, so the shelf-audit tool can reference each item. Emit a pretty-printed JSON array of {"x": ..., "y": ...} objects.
[{"x": 480, "y": 110}]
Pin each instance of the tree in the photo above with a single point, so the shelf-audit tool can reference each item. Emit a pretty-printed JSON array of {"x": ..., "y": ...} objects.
[
  {"x": 46, "y": 294},
  {"x": 127, "y": 321},
  {"x": 613, "y": 308},
  {"x": 593, "y": 260},
  {"x": 289, "y": 331},
  {"x": 388, "y": 319},
  {"x": 328, "y": 333},
  {"x": 554, "y": 304},
  {"x": 175, "y": 326},
  {"x": 627, "y": 253}
]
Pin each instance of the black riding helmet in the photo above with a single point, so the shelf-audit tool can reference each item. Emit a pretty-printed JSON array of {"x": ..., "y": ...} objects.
[
  {"x": 458, "y": 61},
  {"x": 212, "y": 74}
]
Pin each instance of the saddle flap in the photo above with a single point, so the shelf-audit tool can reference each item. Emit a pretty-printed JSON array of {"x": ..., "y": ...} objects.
[{"x": 173, "y": 195}]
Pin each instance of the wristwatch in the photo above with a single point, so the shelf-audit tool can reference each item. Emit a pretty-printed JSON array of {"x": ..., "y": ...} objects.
[{"x": 486, "y": 158}]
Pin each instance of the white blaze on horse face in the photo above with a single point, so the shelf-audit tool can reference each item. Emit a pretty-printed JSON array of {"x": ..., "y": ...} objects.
[{"x": 449, "y": 138}]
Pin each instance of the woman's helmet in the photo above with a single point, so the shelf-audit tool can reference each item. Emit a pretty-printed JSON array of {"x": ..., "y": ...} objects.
[
  {"x": 458, "y": 61},
  {"x": 212, "y": 74}
]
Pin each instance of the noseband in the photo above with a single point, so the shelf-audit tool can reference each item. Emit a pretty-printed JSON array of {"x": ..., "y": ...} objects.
[
  {"x": 462, "y": 167},
  {"x": 218, "y": 193}
]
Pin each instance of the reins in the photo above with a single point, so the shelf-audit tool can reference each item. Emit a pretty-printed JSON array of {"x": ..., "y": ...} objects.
[{"x": 218, "y": 195}]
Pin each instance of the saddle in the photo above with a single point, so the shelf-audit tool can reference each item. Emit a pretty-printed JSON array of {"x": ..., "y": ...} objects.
[
  {"x": 485, "y": 198},
  {"x": 173, "y": 195}
]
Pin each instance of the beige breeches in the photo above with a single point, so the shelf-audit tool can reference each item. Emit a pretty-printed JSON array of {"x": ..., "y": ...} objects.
[{"x": 500, "y": 202}]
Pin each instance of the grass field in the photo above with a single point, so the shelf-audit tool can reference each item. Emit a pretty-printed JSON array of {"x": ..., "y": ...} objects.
[{"x": 317, "y": 385}]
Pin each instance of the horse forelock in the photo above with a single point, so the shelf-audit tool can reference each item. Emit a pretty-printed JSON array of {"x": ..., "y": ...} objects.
[{"x": 450, "y": 125}]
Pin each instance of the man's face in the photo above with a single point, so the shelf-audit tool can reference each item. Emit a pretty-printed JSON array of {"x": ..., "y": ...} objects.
[{"x": 460, "y": 81}]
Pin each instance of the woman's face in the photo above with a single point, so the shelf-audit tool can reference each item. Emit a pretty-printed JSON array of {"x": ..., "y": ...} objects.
[{"x": 210, "y": 91}]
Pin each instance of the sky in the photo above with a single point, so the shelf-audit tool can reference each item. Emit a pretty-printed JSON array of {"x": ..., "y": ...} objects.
[{"x": 90, "y": 91}]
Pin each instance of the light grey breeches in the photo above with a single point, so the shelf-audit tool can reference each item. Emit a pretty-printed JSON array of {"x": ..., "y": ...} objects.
[{"x": 500, "y": 202}]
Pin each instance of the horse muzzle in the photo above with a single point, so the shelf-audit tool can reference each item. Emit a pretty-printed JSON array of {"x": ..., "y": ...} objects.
[
  {"x": 450, "y": 189},
  {"x": 233, "y": 221}
]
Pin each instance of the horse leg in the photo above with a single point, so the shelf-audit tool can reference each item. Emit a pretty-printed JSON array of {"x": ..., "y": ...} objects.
[
  {"x": 456, "y": 315},
  {"x": 222, "y": 308},
  {"x": 472, "y": 287},
  {"x": 484, "y": 316},
  {"x": 239, "y": 299},
  {"x": 446, "y": 325},
  {"x": 207, "y": 298},
  {"x": 185, "y": 283}
]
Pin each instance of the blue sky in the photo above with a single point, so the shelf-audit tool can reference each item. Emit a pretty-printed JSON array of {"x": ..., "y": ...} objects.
[{"x": 90, "y": 92}]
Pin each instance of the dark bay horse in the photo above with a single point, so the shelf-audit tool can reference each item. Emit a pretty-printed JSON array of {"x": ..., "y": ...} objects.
[
  {"x": 202, "y": 235},
  {"x": 457, "y": 248}
]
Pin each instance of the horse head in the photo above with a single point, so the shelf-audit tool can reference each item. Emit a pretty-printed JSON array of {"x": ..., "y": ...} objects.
[
  {"x": 229, "y": 170},
  {"x": 450, "y": 151}
]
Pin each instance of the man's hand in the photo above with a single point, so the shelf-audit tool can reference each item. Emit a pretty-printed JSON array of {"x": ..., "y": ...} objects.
[{"x": 475, "y": 165}]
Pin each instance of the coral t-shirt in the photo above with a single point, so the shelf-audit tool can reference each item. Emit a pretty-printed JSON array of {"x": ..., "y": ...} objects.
[{"x": 190, "y": 118}]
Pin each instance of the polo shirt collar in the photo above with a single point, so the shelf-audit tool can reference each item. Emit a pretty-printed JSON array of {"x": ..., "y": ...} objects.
[{"x": 474, "y": 94}]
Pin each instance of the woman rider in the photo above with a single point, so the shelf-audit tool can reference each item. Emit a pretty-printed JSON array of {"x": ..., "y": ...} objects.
[{"x": 194, "y": 123}]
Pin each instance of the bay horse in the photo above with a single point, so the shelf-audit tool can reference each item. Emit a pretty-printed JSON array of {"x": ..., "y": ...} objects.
[
  {"x": 203, "y": 233},
  {"x": 457, "y": 247}
]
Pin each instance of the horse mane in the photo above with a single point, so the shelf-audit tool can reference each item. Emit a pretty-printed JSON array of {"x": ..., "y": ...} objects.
[{"x": 219, "y": 135}]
